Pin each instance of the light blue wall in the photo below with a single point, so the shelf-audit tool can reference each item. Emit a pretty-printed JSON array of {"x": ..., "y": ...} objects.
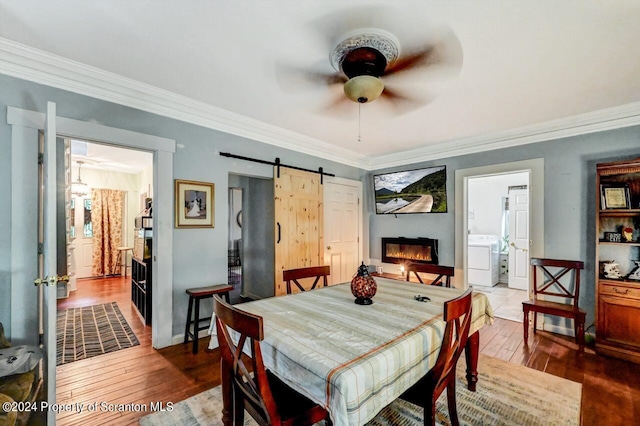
[
  {"x": 199, "y": 255},
  {"x": 569, "y": 188}
]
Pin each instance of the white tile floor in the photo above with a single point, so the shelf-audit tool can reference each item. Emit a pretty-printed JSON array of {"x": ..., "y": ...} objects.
[{"x": 506, "y": 302}]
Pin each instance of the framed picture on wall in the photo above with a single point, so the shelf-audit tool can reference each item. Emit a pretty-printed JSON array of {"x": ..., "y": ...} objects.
[
  {"x": 194, "y": 204},
  {"x": 615, "y": 196}
]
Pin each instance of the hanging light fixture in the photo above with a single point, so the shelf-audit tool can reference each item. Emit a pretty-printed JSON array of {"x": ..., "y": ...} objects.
[{"x": 78, "y": 187}]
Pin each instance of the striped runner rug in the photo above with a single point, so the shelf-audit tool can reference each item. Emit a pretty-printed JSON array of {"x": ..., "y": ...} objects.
[
  {"x": 507, "y": 395},
  {"x": 89, "y": 331}
]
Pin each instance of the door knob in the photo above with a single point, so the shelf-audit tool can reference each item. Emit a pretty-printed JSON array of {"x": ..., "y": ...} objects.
[
  {"x": 328, "y": 247},
  {"x": 50, "y": 280},
  {"x": 516, "y": 247}
]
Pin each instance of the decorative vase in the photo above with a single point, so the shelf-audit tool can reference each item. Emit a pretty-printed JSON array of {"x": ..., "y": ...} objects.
[{"x": 363, "y": 286}]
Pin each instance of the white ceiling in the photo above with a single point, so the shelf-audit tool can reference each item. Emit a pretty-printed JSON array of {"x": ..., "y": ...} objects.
[
  {"x": 111, "y": 158},
  {"x": 532, "y": 70}
]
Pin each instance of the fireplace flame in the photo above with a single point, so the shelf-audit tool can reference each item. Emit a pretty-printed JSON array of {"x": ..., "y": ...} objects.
[{"x": 412, "y": 254}]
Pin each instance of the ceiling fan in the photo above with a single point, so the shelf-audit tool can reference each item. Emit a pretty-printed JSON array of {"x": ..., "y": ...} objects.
[{"x": 370, "y": 61}]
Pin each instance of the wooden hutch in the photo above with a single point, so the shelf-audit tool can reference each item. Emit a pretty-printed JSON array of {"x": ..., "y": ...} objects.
[{"x": 618, "y": 241}]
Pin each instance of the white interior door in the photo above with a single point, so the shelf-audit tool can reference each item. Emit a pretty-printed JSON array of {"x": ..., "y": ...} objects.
[
  {"x": 82, "y": 244},
  {"x": 342, "y": 228},
  {"x": 48, "y": 258},
  {"x": 519, "y": 239}
]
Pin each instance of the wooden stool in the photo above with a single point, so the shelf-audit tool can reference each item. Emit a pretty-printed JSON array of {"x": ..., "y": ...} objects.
[
  {"x": 122, "y": 259},
  {"x": 195, "y": 296}
]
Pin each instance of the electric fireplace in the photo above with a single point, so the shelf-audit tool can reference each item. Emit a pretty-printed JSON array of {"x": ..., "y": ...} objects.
[{"x": 409, "y": 250}]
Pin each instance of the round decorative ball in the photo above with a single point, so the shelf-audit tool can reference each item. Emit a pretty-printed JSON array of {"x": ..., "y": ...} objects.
[{"x": 363, "y": 286}]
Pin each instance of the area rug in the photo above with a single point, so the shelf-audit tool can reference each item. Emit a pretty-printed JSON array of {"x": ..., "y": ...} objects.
[
  {"x": 507, "y": 394},
  {"x": 90, "y": 331}
]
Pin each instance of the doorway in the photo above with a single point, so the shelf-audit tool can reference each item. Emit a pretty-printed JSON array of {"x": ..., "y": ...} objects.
[
  {"x": 498, "y": 226},
  {"x": 96, "y": 167},
  {"x": 235, "y": 248},
  {"x": 251, "y": 236},
  {"x": 27, "y": 127},
  {"x": 535, "y": 167}
]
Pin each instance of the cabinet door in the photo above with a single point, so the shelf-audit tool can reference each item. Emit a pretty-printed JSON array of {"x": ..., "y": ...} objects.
[{"x": 619, "y": 320}]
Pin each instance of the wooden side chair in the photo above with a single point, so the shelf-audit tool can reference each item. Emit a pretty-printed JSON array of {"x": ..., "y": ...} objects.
[
  {"x": 267, "y": 399},
  {"x": 425, "y": 393},
  {"x": 559, "y": 279},
  {"x": 443, "y": 273},
  {"x": 293, "y": 275}
]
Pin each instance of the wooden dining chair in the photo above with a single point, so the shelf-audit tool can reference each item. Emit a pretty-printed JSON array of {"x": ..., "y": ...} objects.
[
  {"x": 558, "y": 280},
  {"x": 425, "y": 393},
  {"x": 293, "y": 275},
  {"x": 443, "y": 273},
  {"x": 266, "y": 398}
]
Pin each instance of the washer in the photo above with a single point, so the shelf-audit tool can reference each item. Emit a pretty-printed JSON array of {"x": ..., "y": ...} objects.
[{"x": 483, "y": 258}]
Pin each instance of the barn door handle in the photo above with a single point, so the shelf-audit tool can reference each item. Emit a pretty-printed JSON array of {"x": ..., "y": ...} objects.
[{"x": 278, "y": 242}]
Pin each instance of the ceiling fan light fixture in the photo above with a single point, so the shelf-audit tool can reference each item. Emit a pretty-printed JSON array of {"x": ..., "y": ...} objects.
[{"x": 363, "y": 88}]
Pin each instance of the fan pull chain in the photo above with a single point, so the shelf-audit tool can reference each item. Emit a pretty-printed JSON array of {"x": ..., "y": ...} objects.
[{"x": 359, "y": 120}]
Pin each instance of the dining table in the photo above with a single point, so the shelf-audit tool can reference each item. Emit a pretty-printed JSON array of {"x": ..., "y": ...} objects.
[{"x": 356, "y": 359}]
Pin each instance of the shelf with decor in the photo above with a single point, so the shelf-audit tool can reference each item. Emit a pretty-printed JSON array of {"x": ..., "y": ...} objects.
[
  {"x": 618, "y": 257},
  {"x": 141, "y": 276},
  {"x": 620, "y": 213},
  {"x": 620, "y": 244}
]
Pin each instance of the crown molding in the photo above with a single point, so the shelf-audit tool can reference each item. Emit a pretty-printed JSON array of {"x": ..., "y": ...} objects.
[
  {"x": 607, "y": 119},
  {"x": 27, "y": 63}
]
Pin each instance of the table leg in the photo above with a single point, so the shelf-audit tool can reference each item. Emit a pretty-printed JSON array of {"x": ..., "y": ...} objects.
[
  {"x": 471, "y": 351},
  {"x": 227, "y": 394}
]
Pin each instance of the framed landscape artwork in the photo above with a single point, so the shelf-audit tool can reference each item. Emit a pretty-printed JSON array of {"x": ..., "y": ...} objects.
[
  {"x": 194, "y": 204},
  {"x": 411, "y": 191}
]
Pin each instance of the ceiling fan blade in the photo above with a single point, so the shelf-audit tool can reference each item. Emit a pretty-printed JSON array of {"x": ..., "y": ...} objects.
[
  {"x": 408, "y": 61},
  {"x": 291, "y": 78},
  {"x": 443, "y": 52},
  {"x": 340, "y": 106},
  {"x": 402, "y": 103}
]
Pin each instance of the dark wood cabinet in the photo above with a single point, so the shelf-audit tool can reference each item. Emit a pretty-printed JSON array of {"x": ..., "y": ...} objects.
[
  {"x": 141, "y": 288},
  {"x": 141, "y": 274},
  {"x": 618, "y": 241}
]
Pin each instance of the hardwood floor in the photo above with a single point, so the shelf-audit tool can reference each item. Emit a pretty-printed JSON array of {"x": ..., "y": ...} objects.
[{"x": 141, "y": 375}]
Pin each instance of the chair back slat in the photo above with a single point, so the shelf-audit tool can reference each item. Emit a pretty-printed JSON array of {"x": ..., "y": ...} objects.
[
  {"x": 254, "y": 387},
  {"x": 443, "y": 273},
  {"x": 425, "y": 393},
  {"x": 317, "y": 272},
  {"x": 558, "y": 278},
  {"x": 457, "y": 314}
]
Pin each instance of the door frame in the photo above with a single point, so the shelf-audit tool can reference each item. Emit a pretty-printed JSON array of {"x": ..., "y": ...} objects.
[
  {"x": 535, "y": 167},
  {"x": 25, "y": 123}
]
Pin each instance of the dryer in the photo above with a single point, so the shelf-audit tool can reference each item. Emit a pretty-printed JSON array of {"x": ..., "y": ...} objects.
[{"x": 483, "y": 259}]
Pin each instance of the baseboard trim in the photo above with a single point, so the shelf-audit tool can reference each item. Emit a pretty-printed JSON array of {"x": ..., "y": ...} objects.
[
  {"x": 565, "y": 331},
  {"x": 179, "y": 338}
]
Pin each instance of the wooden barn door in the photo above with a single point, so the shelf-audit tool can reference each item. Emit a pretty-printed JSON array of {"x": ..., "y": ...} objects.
[{"x": 299, "y": 222}]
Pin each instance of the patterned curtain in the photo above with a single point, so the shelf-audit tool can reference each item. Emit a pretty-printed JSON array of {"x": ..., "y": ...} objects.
[{"x": 107, "y": 207}]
